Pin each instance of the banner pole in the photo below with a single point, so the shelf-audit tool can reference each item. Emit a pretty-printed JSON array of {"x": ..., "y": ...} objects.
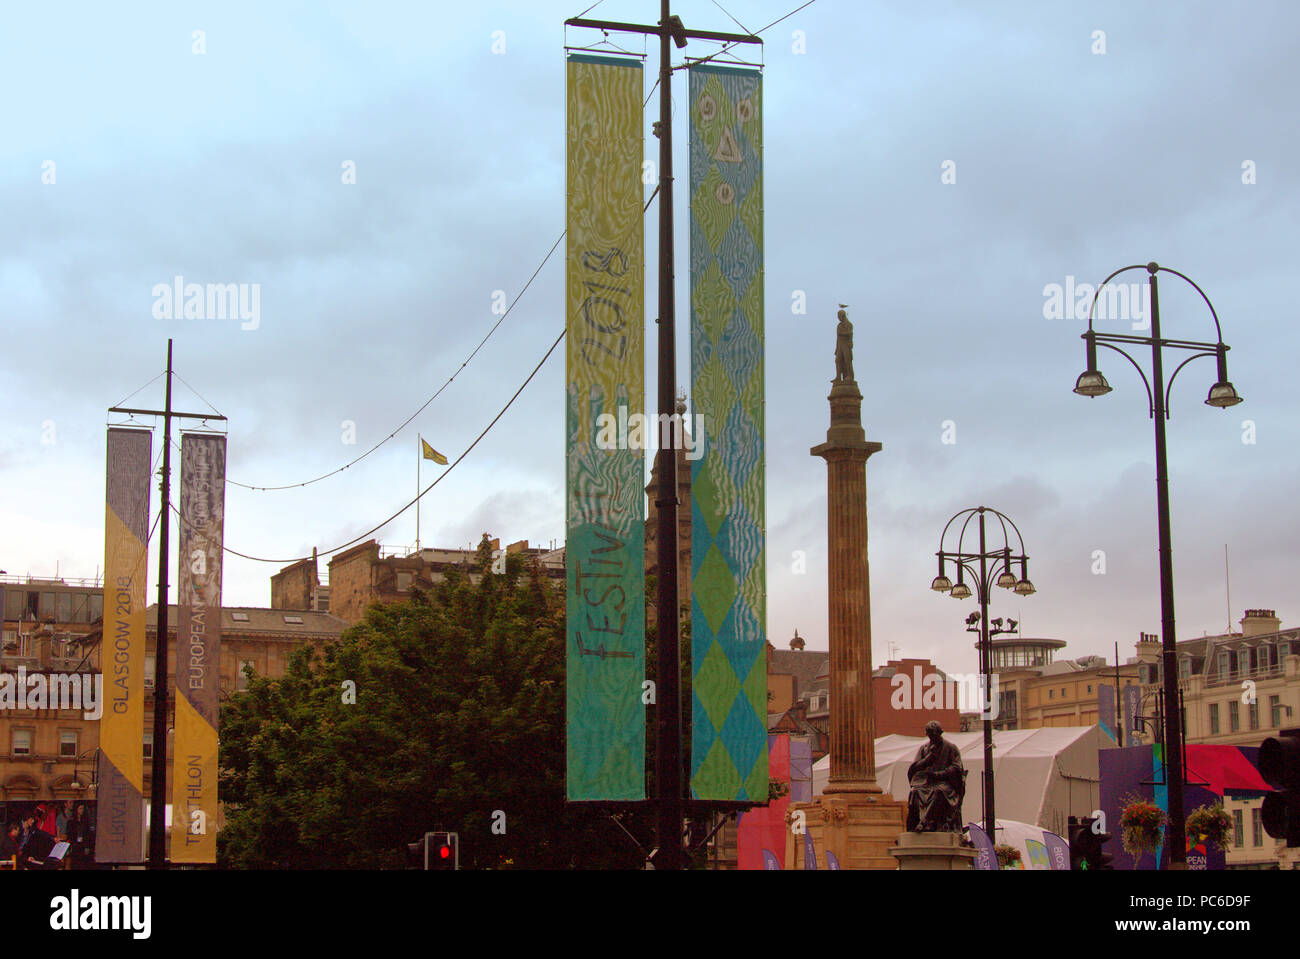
[{"x": 162, "y": 643}]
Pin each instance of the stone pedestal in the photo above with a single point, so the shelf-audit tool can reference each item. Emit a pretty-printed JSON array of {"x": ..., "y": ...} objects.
[
  {"x": 859, "y": 829},
  {"x": 933, "y": 850}
]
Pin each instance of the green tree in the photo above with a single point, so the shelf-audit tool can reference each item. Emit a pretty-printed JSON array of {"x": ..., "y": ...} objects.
[{"x": 458, "y": 723}]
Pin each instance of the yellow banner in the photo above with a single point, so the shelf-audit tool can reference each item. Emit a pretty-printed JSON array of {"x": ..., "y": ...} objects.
[
  {"x": 605, "y": 473},
  {"x": 120, "y": 796},
  {"x": 194, "y": 787}
]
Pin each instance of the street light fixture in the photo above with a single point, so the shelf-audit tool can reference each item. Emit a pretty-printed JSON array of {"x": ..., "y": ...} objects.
[
  {"x": 1222, "y": 395},
  {"x": 987, "y": 568}
]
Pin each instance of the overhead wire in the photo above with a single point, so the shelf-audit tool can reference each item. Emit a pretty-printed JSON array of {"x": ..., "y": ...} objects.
[
  {"x": 756, "y": 33},
  {"x": 441, "y": 476},
  {"x": 425, "y": 404},
  {"x": 545, "y": 357}
]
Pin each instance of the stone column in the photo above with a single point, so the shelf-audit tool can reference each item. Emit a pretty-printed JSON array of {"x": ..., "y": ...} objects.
[
  {"x": 852, "y": 720},
  {"x": 853, "y": 821}
]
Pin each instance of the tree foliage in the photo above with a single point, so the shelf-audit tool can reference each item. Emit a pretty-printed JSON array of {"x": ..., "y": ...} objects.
[{"x": 459, "y": 717}]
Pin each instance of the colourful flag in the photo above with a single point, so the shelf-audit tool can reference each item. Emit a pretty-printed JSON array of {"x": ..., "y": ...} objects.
[{"x": 432, "y": 454}]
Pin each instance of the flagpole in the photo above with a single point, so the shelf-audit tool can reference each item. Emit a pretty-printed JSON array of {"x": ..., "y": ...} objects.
[{"x": 419, "y": 455}]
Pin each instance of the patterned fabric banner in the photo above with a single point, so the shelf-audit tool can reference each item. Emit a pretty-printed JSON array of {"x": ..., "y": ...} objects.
[
  {"x": 198, "y": 648},
  {"x": 605, "y": 373},
  {"x": 728, "y": 519},
  {"x": 119, "y": 817}
]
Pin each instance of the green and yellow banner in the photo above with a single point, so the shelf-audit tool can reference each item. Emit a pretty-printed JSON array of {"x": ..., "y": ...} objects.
[
  {"x": 120, "y": 807},
  {"x": 198, "y": 648},
  {"x": 728, "y": 498},
  {"x": 605, "y": 373}
]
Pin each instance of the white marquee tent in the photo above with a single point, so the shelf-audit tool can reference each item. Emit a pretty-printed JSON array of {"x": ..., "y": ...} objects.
[{"x": 1041, "y": 776}]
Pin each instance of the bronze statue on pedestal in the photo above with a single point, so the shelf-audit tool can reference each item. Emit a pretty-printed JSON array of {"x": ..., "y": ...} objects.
[{"x": 938, "y": 781}]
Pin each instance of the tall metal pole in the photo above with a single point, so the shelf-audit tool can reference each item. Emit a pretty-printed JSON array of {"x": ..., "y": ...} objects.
[
  {"x": 668, "y": 733},
  {"x": 986, "y": 663},
  {"x": 1173, "y": 735},
  {"x": 158, "y": 787},
  {"x": 668, "y": 763},
  {"x": 1119, "y": 709}
]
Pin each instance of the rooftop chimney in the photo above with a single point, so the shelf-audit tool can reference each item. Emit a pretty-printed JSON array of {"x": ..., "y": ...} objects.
[{"x": 1258, "y": 622}]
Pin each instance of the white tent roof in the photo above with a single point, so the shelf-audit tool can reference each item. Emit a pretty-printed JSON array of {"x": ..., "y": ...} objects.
[{"x": 1041, "y": 776}]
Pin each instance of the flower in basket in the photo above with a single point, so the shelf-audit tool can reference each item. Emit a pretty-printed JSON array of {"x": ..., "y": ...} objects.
[
  {"x": 1142, "y": 823},
  {"x": 1210, "y": 824},
  {"x": 1008, "y": 857}
]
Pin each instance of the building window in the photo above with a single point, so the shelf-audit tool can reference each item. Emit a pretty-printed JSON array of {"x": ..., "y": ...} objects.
[
  {"x": 403, "y": 582},
  {"x": 1051, "y": 694},
  {"x": 1185, "y": 668},
  {"x": 1256, "y": 828},
  {"x": 1225, "y": 664},
  {"x": 241, "y": 681},
  {"x": 1090, "y": 689},
  {"x": 1253, "y": 712},
  {"x": 1234, "y": 716},
  {"x": 21, "y": 740},
  {"x": 148, "y": 744},
  {"x": 1275, "y": 711},
  {"x": 68, "y": 742},
  {"x": 1214, "y": 719},
  {"x": 1238, "y": 829}
]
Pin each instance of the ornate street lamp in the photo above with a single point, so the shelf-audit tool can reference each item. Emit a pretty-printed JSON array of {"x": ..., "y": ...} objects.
[
  {"x": 987, "y": 568},
  {"x": 1222, "y": 395}
]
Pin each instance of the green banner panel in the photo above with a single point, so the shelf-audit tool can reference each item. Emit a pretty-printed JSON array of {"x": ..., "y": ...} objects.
[
  {"x": 604, "y": 482},
  {"x": 728, "y": 506}
]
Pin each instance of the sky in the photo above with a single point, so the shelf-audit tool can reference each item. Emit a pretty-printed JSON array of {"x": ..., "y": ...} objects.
[{"x": 937, "y": 167}]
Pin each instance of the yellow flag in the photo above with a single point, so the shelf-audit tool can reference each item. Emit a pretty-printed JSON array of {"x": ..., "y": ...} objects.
[{"x": 432, "y": 454}]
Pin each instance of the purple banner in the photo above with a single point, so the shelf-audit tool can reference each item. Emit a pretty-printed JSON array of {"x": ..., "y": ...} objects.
[
  {"x": 1058, "y": 850},
  {"x": 987, "y": 858}
]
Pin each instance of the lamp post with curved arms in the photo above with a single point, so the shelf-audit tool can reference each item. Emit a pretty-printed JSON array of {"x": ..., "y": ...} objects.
[
  {"x": 1222, "y": 395},
  {"x": 999, "y": 573}
]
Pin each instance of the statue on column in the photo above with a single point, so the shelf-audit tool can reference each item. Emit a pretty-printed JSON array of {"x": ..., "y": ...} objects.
[
  {"x": 938, "y": 781},
  {"x": 843, "y": 347}
]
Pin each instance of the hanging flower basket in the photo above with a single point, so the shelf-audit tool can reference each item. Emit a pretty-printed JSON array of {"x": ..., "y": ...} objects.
[
  {"x": 1008, "y": 857},
  {"x": 1210, "y": 824},
  {"x": 1142, "y": 827}
]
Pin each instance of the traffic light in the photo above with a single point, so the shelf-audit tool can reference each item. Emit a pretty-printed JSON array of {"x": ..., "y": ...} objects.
[
  {"x": 441, "y": 851},
  {"x": 1078, "y": 845},
  {"x": 1086, "y": 845},
  {"x": 1279, "y": 764}
]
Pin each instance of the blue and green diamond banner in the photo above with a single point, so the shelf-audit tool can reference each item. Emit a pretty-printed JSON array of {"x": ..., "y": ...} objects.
[{"x": 728, "y": 503}]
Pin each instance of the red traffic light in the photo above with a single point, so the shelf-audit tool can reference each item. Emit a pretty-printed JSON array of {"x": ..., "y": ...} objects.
[{"x": 444, "y": 852}]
